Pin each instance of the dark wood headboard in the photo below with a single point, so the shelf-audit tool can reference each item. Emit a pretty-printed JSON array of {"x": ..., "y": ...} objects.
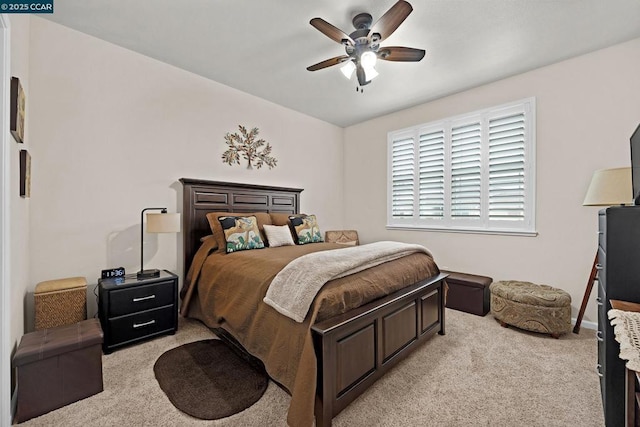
[{"x": 200, "y": 197}]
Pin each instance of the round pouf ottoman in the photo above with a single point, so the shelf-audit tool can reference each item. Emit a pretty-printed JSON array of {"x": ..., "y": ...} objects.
[{"x": 537, "y": 308}]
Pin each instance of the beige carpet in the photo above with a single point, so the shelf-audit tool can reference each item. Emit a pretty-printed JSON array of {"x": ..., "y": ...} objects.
[{"x": 479, "y": 374}]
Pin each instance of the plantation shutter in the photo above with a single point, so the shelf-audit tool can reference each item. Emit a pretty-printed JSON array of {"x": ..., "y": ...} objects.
[
  {"x": 466, "y": 169},
  {"x": 473, "y": 172},
  {"x": 402, "y": 177},
  {"x": 507, "y": 167},
  {"x": 431, "y": 174}
]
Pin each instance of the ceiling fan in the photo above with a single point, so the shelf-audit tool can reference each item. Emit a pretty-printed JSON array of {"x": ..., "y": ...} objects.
[{"x": 363, "y": 45}]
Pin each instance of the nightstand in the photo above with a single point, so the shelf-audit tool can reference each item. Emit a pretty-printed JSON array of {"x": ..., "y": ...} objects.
[{"x": 132, "y": 310}]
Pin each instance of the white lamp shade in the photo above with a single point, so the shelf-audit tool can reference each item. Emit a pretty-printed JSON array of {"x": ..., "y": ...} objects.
[
  {"x": 348, "y": 69},
  {"x": 368, "y": 59},
  {"x": 163, "y": 223},
  {"x": 370, "y": 73},
  {"x": 609, "y": 187}
]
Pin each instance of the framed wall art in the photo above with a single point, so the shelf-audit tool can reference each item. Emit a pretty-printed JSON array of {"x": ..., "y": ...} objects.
[
  {"x": 17, "y": 110},
  {"x": 25, "y": 173}
]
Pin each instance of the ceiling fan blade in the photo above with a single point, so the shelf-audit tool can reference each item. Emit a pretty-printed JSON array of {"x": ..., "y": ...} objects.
[
  {"x": 391, "y": 20},
  {"x": 399, "y": 53},
  {"x": 328, "y": 63},
  {"x": 330, "y": 31}
]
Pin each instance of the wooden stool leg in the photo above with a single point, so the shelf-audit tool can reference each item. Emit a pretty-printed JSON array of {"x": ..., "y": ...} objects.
[{"x": 587, "y": 292}]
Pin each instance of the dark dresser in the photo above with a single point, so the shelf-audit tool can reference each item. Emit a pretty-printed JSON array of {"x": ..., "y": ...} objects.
[
  {"x": 618, "y": 279},
  {"x": 132, "y": 309}
]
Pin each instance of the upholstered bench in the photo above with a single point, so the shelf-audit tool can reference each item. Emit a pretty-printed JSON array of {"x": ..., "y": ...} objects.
[
  {"x": 536, "y": 308},
  {"x": 58, "y": 366},
  {"x": 343, "y": 237},
  {"x": 468, "y": 292}
]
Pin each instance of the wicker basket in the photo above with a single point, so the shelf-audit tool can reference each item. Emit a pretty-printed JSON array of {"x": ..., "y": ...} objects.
[{"x": 60, "y": 302}]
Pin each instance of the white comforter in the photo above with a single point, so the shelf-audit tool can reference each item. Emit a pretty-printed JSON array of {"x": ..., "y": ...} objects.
[{"x": 293, "y": 289}]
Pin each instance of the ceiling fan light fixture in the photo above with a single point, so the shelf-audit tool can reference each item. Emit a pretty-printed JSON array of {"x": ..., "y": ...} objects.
[
  {"x": 368, "y": 59},
  {"x": 348, "y": 68},
  {"x": 370, "y": 73}
]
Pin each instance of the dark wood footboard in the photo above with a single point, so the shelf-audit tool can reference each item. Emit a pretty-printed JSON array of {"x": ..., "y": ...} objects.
[{"x": 357, "y": 348}]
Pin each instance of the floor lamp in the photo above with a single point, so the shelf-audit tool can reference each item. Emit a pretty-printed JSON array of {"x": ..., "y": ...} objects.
[{"x": 608, "y": 187}]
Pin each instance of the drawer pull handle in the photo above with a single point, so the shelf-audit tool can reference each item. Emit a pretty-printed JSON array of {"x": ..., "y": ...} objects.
[
  {"x": 144, "y": 298},
  {"x": 598, "y": 266},
  {"x": 600, "y": 374},
  {"x": 599, "y": 336},
  {"x": 140, "y": 325}
]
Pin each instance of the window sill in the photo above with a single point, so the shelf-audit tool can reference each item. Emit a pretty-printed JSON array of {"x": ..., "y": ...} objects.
[{"x": 499, "y": 232}]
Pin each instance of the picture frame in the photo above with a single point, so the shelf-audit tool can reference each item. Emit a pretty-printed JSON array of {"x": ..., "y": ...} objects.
[
  {"x": 25, "y": 174},
  {"x": 17, "y": 110}
]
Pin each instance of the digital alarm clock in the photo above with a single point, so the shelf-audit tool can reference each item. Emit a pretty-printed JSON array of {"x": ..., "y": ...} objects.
[{"x": 110, "y": 273}]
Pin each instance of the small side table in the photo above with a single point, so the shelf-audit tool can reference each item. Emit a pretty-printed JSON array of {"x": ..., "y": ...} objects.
[
  {"x": 133, "y": 310},
  {"x": 632, "y": 378}
]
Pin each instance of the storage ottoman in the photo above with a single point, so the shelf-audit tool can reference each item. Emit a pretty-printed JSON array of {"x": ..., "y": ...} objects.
[
  {"x": 58, "y": 366},
  {"x": 468, "y": 292},
  {"x": 60, "y": 302},
  {"x": 536, "y": 308}
]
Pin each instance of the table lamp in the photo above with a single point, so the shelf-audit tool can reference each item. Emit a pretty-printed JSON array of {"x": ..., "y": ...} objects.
[
  {"x": 162, "y": 222},
  {"x": 608, "y": 187}
]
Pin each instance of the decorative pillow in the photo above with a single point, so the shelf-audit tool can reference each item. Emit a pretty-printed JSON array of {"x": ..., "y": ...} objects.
[
  {"x": 216, "y": 229},
  {"x": 241, "y": 233},
  {"x": 306, "y": 228},
  {"x": 278, "y": 235}
]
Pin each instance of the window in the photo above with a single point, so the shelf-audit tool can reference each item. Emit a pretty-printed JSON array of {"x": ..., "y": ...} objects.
[{"x": 474, "y": 172}]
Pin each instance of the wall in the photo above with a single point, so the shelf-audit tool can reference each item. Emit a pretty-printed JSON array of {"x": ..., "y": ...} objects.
[
  {"x": 112, "y": 132},
  {"x": 19, "y": 207},
  {"x": 587, "y": 108}
]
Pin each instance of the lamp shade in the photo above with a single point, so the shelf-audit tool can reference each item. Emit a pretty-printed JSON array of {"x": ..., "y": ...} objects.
[
  {"x": 163, "y": 223},
  {"x": 609, "y": 187},
  {"x": 348, "y": 68}
]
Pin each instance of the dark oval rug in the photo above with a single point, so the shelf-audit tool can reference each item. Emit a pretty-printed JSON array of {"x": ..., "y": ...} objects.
[{"x": 207, "y": 380}]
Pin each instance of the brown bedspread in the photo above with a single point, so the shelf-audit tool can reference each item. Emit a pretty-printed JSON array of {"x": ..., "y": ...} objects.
[{"x": 227, "y": 291}]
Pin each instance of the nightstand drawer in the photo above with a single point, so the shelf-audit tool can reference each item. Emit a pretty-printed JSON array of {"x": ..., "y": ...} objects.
[
  {"x": 139, "y": 298},
  {"x": 139, "y": 325}
]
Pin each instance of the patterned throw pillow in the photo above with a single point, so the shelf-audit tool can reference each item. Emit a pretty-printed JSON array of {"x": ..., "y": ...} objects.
[
  {"x": 307, "y": 230},
  {"x": 241, "y": 233}
]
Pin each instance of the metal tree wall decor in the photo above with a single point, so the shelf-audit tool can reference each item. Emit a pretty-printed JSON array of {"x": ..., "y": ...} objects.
[{"x": 251, "y": 148}]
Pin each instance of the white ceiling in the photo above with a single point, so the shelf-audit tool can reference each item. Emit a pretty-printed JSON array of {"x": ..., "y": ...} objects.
[{"x": 263, "y": 47}]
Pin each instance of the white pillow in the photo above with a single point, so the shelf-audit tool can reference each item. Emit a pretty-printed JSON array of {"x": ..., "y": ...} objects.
[{"x": 278, "y": 235}]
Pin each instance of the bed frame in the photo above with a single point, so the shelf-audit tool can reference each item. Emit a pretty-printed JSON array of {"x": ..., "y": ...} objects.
[{"x": 353, "y": 349}]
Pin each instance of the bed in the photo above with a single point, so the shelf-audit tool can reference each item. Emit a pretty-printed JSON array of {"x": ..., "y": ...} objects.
[{"x": 337, "y": 352}]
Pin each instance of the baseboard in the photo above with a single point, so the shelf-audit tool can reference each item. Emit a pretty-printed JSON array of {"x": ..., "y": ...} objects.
[{"x": 585, "y": 324}]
